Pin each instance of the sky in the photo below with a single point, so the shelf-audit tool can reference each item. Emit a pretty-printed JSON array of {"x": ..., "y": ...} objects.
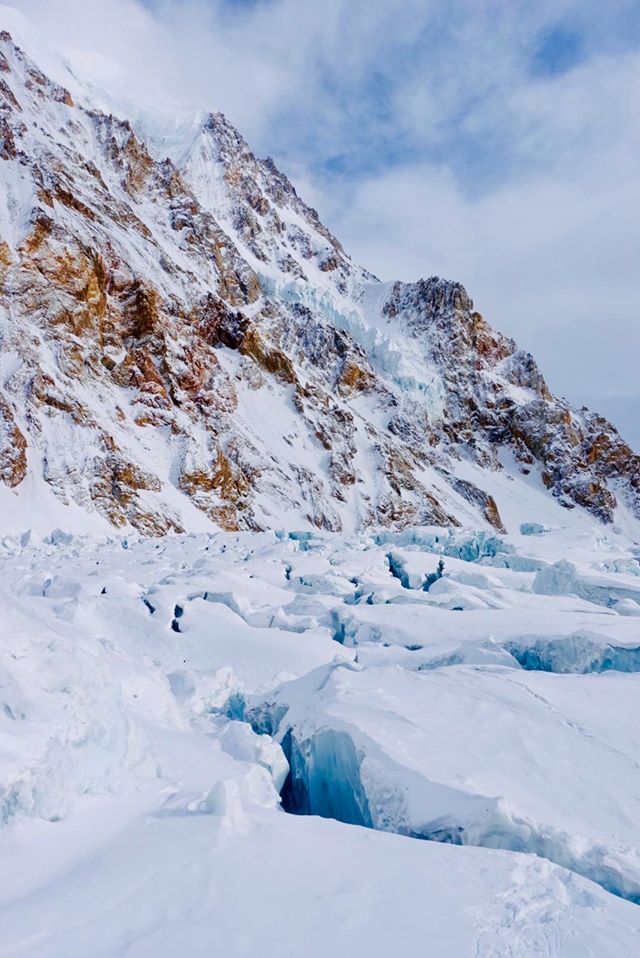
[{"x": 491, "y": 142}]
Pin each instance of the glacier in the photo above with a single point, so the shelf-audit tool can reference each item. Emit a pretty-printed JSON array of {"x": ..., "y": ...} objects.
[{"x": 248, "y": 783}]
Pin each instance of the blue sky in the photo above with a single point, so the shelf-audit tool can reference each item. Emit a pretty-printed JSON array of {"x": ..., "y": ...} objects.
[{"x": 494, "y": 142}]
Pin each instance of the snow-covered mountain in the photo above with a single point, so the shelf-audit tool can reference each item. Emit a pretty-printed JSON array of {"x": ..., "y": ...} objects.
[
  {"x": 319, "y": 612},
  {"x": 185, "y": 345}
]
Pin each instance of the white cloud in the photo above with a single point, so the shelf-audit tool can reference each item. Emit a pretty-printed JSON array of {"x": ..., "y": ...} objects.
[{"x": 551, "y": 254}]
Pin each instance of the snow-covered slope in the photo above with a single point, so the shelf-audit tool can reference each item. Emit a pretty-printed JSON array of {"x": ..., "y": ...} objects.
[
  {"x": 185, "y": 345},
  {"x": 157, "y": 695}
]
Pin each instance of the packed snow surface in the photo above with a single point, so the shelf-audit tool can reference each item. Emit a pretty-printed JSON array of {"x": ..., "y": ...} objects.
[{"x": 302, "y": 744}]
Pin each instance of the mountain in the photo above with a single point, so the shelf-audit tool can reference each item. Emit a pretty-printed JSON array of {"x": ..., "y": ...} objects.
[
  {"x": 365, "y": 729},
  {"x": 185, "y": 345},
  {"x": 624, "y": 411}
]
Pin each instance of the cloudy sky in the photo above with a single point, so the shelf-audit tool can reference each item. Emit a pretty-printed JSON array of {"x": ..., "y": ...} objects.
[{"x": 494, "y": 142}]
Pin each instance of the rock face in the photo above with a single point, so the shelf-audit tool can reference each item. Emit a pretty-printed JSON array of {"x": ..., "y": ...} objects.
[{"x": 185, "y": 332}]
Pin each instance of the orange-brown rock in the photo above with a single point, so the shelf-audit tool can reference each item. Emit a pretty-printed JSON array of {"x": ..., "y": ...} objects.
[
  {"x": 270, "y": 359},
  {"x": 355, "y": 377},
  {"x": 13, "y": 448},
  {"x": 480, "y": 498}
]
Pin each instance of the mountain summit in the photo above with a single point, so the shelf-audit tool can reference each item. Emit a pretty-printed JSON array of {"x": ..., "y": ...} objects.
[{"x": 185, "y": 344}]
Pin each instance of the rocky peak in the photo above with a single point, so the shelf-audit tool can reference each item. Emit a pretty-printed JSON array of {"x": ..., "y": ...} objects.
[
  {"x": 431, "y": 297},
  {"x": 280, "y": 235},
  {"x": 12, "y": 59}
]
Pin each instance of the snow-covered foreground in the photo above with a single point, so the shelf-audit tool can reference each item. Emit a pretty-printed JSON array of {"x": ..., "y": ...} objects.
[{"x": 157, "y": 696}]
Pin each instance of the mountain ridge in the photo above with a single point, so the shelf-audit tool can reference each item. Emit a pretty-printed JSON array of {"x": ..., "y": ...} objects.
[{"x": 185, "y": 332}]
